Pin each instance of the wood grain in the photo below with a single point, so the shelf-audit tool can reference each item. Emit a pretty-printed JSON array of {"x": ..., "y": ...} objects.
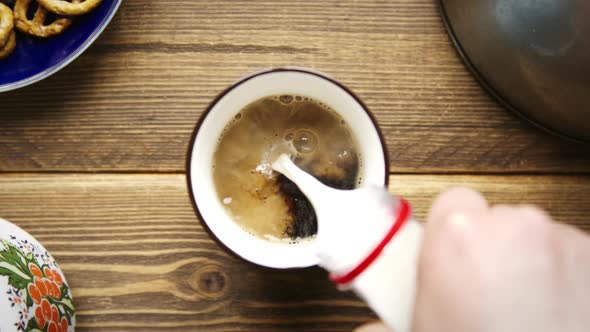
[
  {"x": 134, "y": 252},
  {"x": 130, "y": 103},
  {"x": 137, "y": 258}
]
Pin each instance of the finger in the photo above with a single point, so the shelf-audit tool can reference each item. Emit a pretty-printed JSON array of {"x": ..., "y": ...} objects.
[
  {"x": 525, "y": 212},
  {"x": 456, "y": 200},
  {"x": 373, "y": 327},
  {"x": 449, "y": 228}
]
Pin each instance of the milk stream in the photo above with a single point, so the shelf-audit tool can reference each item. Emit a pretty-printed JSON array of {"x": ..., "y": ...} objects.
[{"x": 350, "y": 225}]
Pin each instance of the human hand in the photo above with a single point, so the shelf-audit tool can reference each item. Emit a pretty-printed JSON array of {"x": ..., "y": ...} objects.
[{"x": 499, "y": 269}]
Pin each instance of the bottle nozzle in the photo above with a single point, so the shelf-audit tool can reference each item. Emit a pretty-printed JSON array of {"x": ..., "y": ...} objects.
[{"x": 310, "y": 186}]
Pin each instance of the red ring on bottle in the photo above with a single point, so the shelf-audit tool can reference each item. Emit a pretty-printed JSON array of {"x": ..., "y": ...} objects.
[{"x": 402, "y": 217}]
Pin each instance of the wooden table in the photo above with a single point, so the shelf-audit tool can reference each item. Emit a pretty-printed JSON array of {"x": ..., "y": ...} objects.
[{"x": 92, "y": 159}]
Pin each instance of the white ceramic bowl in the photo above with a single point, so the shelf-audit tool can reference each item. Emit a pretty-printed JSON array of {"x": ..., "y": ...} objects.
[
  {"x": 295, "y": 81},
  {"x": 34, "y": 294}
]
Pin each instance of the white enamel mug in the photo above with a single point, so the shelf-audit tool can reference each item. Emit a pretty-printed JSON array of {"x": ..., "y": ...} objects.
[{"x": 294, "y": 81}]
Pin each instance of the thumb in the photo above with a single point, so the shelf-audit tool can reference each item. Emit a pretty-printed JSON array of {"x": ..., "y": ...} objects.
[{"x": 373, "y": 327}]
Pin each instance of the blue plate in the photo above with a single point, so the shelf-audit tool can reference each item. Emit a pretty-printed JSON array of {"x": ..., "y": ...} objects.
[{"x": 35, "y": 59}]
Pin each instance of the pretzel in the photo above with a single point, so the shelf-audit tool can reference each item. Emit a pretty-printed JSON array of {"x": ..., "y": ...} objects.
[
  {"x": 9, "y": 46},
  {"x": 66, "y": 8},
  {"x": 6, "y": 24},
  {"x": 36, "y": 26}
]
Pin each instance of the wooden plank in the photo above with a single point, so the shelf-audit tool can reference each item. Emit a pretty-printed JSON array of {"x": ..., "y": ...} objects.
[
  {"x": 564, "y": 197},
  {"x": 137, "y": 257},
  {"x": 131, "y": 102}
]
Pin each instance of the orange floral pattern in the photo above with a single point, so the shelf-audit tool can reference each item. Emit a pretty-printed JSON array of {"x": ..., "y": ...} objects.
[{"x": 37, "y": 286}]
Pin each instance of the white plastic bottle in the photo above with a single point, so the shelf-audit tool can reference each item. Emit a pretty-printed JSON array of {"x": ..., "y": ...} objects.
[{"x": 368, "y": 241}]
